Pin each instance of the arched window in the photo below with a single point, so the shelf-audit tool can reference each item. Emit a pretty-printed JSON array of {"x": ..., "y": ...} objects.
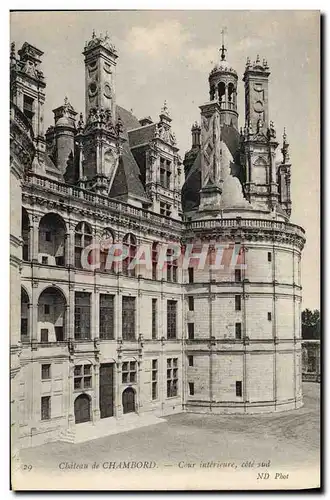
[
  {"x": 129, "y": 241},
  {"x": 25, "y": 235},
  {"x": 52, "y": 232},
  {"x": 51, "y": 315},
  {"x": 154, "y": 259},
  {"x": 83, "y": 238},
  {"x": 25, "y": 335},
  {"x": 106, "y": 243},
  {"x": 221, "y": 91}
]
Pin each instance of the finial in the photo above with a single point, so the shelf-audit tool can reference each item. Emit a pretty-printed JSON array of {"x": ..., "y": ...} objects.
[
  {"x": 93, "y": 35},
  {"x": 258, "y": 58},
  {"x": 285, "y": 148},
  {"x": 106, "y": 35},
  {"x": 284, "y": 136},
  {"x": 66, "y": 101},
  {"x": 164, "y": 109},
  {"x": 223, "y": 49},
  {"x": 248, "y": 61}
]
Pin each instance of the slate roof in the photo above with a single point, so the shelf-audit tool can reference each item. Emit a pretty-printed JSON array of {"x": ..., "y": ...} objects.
[{"x": 127, "y": 181}]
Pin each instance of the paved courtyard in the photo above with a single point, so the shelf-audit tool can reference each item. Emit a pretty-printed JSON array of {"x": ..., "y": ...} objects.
[{"x": 290, "y": 438}]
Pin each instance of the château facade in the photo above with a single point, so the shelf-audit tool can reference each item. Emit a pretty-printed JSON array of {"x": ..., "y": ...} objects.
[{"x": 91, "y": 346}]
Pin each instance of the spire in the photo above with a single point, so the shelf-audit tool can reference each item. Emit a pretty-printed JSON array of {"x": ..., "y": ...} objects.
[{"x": 223, "y": 49}]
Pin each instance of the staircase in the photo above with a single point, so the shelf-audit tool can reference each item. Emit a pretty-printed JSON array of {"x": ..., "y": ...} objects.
[{"x": 88, "y": 431}]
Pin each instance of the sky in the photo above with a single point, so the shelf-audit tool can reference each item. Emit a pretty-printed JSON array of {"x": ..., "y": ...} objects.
[{"x": 169, "y": 54}]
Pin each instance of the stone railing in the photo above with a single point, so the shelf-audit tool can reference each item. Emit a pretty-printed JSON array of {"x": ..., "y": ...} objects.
[
  {"x": 241, "y": 223},
  {"x": 95, "y": 199}
]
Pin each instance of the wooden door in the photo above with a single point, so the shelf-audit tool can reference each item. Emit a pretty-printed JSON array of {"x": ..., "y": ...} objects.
[
  {"x": 106, "y": 390},
  {"x": 82, "y": 409},
  {"x": 128, "y": 400}
]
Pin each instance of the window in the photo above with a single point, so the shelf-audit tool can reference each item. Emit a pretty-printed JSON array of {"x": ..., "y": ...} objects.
[
  {"x": 82, "y": 377},
  {"x": 171, "y": 319},
  {"x": 154, "y": 258},
  {"x": 45, "y": 372},
  {"x": 59, "y": 261},
  {"x": 106, "y": 317},
  {"x": 28, "y": 107},
  {"x": 238, "y": 303},
  {"x": 46, "y": 308},
  {"x": 190, "y": 274},
  {"x": 191, "y": 360},
  {"x": 238, "y": 330},
  {"x": 83, "y": 238},
  {"x": 269, "y": 316},
  {"x": 172, "y": 377},
  {"x": 128, "y": 372},
  {"x": 238, "y": 275},
  {"x": 191, "y": 388},
  {"x": 45, "y": 408},
  {"x": 165, "y": 173},
  {"x": 191, "y": 331},
  {"x": 48, "y": 236},
  {"x": 269, "y": 256},
  {"x": 165, "y": 209},
  {"x": 82, "y": 316},
  {"x": 44, "y": 260},
  {"x": 128, "y": 318},
  {"x": 171, "y": 266},
  {"x": 239, "y": 388},
  {"x": 59, "y": 333},
  {"x": 44, "y": 334},
  {"x": 191, "y": 303},
  {"x": 154, "y": 319},
  {"x": 154, "y": 379},
  {"x": 129, "y": 241}
]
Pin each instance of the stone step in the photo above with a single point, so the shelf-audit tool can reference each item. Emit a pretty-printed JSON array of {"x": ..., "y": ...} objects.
[{"x": 107, "y": 426}]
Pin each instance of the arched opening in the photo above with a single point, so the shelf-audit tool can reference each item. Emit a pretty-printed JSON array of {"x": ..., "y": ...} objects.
[
  {"x": 221, "y": 92},
  {"x": 25, "y": 235},
  {"x": 52, "y": 232},
  {"x": 51, "y": 315},
  {"x": 154, "y": 258},
  {"x": 212, "y": 92},
  {"x": 83, "y": 238},
  {"x": 25, "y": 303},
  {"x": 106, "y": 253},
  {"x": 231, "y": 92},
  {"x": 128, "y": 399},
  {"x": 82, "y": 409},
  {"x": 129, "y": 241}
]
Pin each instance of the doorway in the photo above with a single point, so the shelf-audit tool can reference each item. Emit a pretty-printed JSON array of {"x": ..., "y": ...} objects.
[
  {"x": 82, "y": 409},
  {"x": 129, "y": 400}
]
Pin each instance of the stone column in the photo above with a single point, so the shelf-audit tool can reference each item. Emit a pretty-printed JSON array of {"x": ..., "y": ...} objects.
[
  {"x": 70, "y": 315},
  {"x": 96, "y": 397},
  {"x": 118, "y": 403},
  {"x": 34, "y": 238},
  {"x": 70, "y": 399},
  {"x": 95, "y": 310},
  {"x": 34, "y": 314},
  {"x": 69, "y": 245}
]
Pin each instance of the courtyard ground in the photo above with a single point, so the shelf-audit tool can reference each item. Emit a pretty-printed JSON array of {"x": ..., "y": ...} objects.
[{"x": 286, "y": 441}]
